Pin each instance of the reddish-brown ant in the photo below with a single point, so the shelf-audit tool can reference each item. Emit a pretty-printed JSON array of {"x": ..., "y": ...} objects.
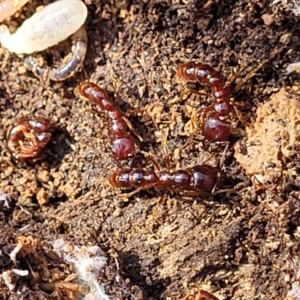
[
  {"x": 197, "y": 180},
  {"x": 29, "y": 137},
  {"x": 123, "y": 146},
  {"x": 216, "y": 127},
  {"x": 201, "y": 295}
]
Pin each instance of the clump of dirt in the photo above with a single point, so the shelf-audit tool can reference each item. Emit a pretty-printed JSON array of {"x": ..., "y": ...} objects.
[{"x": 272, "y": 140}]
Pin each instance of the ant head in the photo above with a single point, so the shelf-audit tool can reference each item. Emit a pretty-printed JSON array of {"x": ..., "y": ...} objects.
[{"x": 186, "y": 71}]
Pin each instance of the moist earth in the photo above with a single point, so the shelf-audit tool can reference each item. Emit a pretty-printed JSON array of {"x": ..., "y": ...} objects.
[{"x": 241, "y": 242}]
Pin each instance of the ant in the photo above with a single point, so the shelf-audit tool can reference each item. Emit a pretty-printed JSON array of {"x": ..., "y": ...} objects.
[
  {"x": 201, "y": 295},
  {"x": 28, "y": 137},
  {"x": 195, "y": 181},
  {"x": 216, "y": 127},
  {"x": 123, "y": 146},
  {"x": 199, "y": 179}
]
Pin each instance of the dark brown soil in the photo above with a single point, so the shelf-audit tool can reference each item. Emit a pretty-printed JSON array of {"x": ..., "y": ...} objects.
[{"x": 240, "y": 244}]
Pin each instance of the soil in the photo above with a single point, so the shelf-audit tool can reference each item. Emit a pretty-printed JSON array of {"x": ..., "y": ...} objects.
[{"x": 241, "y": 242}]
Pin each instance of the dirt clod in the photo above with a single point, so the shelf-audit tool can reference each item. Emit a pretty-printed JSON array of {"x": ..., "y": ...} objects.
[{"x": 272, "y": 140}]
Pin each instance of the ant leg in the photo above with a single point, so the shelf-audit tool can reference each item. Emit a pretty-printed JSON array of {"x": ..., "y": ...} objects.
[
  {"x": 223, "y": 157},
  {"x": 30, "y": 135},
  {"x": 203, "y": 111},
  {"x": 166, "y": 150},
  {"x": 251, "y": 74},
  {"x": 192, "y": 128},
  {"x": 134, "y": 111},
  {"x": 152, "y": 159},
  {"x": 198, "y": 123},
  {"x": 128, "y": 123},
  {"x": 193, "y": 91},
  {"x": 233, "y": 190},
  {"x": 240, "y": 116},
  {"x": 164, "y": 145},
  {"x": 213, "y": 191},
  {"x": 162, "y": 199},
  {"x": 5, "y": 54},
  {"x": 190, "y": 193},
  {"x": 95, "y": 111},
  {"x": 128, "y": 195},
  {"x": 241, "y": 83},
  {"x": 158, "y": 209},
  {"x": 232, "y": 77},
  {"x": 187, "y": 92},
  {"x": 117, "y": 98},
  {"x": 132, "y": 129},
  {"x": 103, "y": 127}
]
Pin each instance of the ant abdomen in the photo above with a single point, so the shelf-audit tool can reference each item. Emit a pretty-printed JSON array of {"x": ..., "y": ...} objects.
[
  {"x": 216, "y": 130},
  {"x": 122, "y": 147},
  {"x": 204, "y": 178}
]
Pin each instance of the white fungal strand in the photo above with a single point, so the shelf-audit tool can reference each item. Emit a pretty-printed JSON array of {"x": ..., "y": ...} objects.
[
  {"x": 46, "y": 28},
  {"x": 294, "y": 67},
  {"x": 16, "y": 250},
  {"x": 9, "y": 7},
  {"x": 71, "y": 63}
]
